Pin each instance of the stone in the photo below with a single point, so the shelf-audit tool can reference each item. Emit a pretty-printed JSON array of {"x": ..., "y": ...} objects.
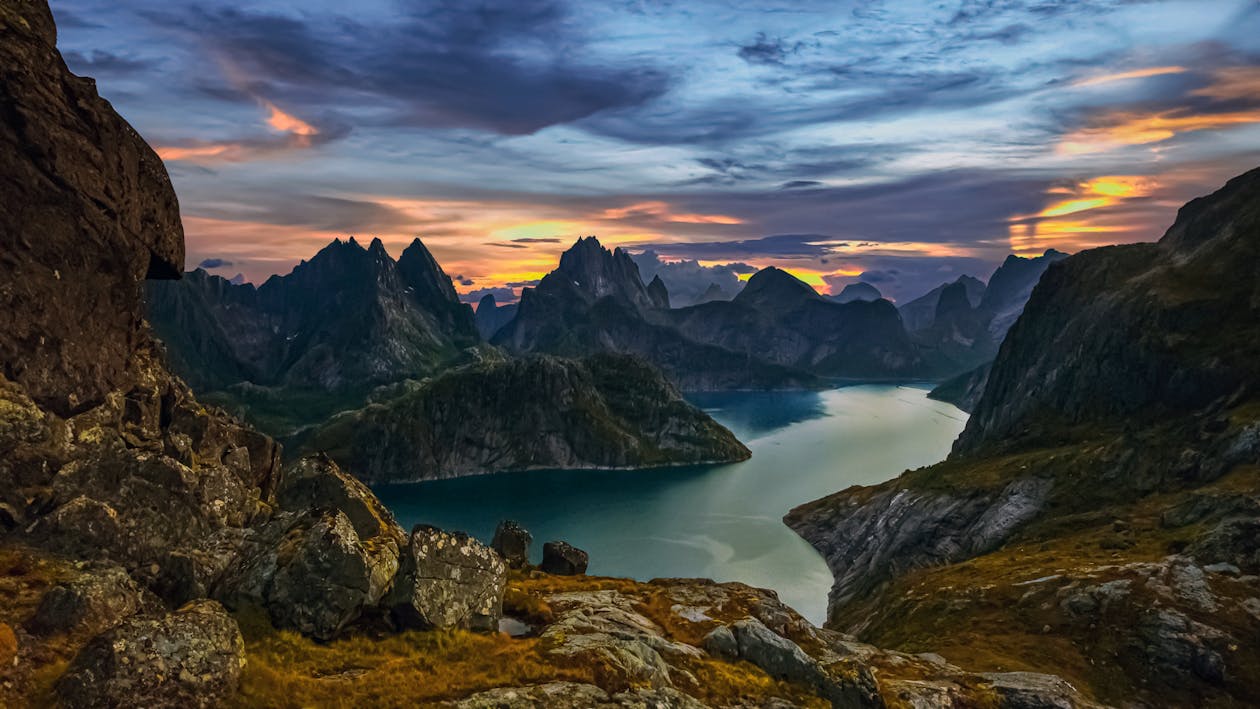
[
  {"x": 843, "y": 683},
  {"x": 192, "y": 657},
  {"x": 447, "y": 580},
  {"x": 316, "y": 482},
  {"x": 512, "y": 541},
  {"x": 721, "y": 642},
  {"x": 563, "y": 559},
  {"x": 102, "y": 597},
  {"x": 79, "y": 527},
  {"x": 1176, "y": 642},
  {"x": 1032, "y": 690},
  {"x": 8, "y": 645},
  {"x": 312, "y": 572}
]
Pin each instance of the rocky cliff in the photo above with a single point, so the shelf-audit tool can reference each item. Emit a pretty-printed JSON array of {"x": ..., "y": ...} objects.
[
  {"x": 1091, "y": 519},
  {"x": 608, "y": 411},
  {"x": 491, "y": 317}
]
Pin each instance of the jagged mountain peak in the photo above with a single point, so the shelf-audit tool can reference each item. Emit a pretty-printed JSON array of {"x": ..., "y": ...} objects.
[
  {"x": 488, "y": 302},
  {"x": 658, "y": 292},
  {"x": 600, "y": 273}
]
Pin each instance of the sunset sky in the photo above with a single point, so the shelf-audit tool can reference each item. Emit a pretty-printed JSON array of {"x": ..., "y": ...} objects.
[{"x": 908, "y": 141}]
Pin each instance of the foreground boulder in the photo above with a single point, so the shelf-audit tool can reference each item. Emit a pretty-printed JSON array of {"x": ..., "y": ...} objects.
[
  {"x": 190, "y": 658},
  {"x": 99, "y": 599},
  {"x": 447, "y": 580},
  {"x": 564, "y": 559},
  {"x": 511, "y": 541}
]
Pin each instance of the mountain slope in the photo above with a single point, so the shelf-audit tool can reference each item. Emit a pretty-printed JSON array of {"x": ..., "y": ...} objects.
[
  {"x": 919, "y": 313},
  {"x": 1098, "y": 515},
  {"x": 535, "y": 412}
]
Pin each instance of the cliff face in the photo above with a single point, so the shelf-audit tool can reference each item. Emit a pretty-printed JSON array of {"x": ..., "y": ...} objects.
[
  {"x": 88, "y": 214},
  {"x": 1097, "y": 503},
  {"x": 534, "y": 412}
]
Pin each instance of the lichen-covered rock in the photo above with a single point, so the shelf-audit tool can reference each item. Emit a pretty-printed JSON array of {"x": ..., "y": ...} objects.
[
  {"x": 312, "y": 572},
  {"x": 512, "y": 541},
  {"x": 850, "y": 686},
  {"x": 563, "y": 559},
  {"x": 190, "y": 658},
  {"x": 1032, "y": 690},
  {"x": 100, "y": 598},
  {"x": 447, "y": 580},
  {"x": 315, "y": 482},
  {"x": 1176, "y": 642},
  {"x": 573, "y": 695}
]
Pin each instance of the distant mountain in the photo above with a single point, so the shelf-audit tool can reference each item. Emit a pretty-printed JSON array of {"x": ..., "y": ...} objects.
[
  {"x": 658, "y": 293},
  {"x": 339, "y": 324},
  {"x": 596, "y": 302},
  {"x": 501, "y": 414},
  {"x": 1010, "y": 286},
  {"x": 711, "y": 293},
  {"x": 858, "y": 291},
  {"x": 781, "y": 319},
  {"x": 778, "y": 331},
  {"x": 490, "y": 316},
  {"x": 920, "y": 313}
]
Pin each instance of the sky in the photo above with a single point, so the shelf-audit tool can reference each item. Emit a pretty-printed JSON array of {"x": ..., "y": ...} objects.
[{"x": 902, "y": 143}]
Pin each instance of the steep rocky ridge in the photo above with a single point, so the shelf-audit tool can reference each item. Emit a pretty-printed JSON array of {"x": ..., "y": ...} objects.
[
  {"x": 607, "y": 411},
  {"x": 1091, "y": 519},
  {"x": 347, "y": 320},
  {"x": 491, "y": 316}
]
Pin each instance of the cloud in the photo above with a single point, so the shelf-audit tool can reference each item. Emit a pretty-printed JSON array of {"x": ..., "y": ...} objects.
[
  {"x": 687, "y": 280},
  {"x": 510, "y": 67},
  {"x": 800, "y": 184},
  {"x": 531, "y": 240},
  {"x": 100, "y": 62},
  {"x": 212, "y": 263},
  {"x": 764, "y": 50}
]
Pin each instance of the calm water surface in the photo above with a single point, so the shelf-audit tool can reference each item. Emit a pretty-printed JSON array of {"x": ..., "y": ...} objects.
[{"x": 716, "y": 521}]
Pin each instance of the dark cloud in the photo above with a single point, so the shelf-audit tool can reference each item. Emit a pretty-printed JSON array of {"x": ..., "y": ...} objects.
[
  {"x": 501, "y": 295},
  {"x": 876, "y": 277},
  {"x": 505, "y": 66},
  {"x": 536, "y": 240},
  {"x": 799, "y": 184},
  {"x": 100, "y": 63},
  {"x": 687, "y": 280},
  {"x": 212, "y": 263},
  {"x": 320, "y": 213},
  {"x": 69, "y": 19},
  {"x": 522, "y": 284},
  {"x": 506, "y": 245},
  {"x": 764, "y": 50}
]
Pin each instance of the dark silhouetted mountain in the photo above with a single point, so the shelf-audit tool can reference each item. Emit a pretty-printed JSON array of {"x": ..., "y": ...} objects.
[
  {"x": 1010, "y": 287},
  {"x": 1116, "y": 442},
  {"x": 858, "y": 291},
  {"x": 595, "y": 302},
  {"x": 658, "y": 293},
  {"x": 491, "y": 316},
  {"x": 781, "y": 319},
  {"x": 964, "y": 390},
  {"x": 920, "y": 313},
  {"x": 341, "y": 323},
  {"x": 712, "y": 293},
  {"x": 501, "y": 414}
]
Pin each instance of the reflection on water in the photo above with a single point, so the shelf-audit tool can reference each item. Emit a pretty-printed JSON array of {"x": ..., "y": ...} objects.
[{"x": 718, "y": 521}]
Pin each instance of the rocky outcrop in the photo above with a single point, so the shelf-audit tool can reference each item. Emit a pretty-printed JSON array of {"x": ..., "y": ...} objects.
[
  {"x": 920, "y": 313},
  {"x": 563, "y": 559},
  {"x": 534, "y": 412},
  {"x": 964, "y": 390},
  {"x": 447, "y": 581},
  {"x": 89, "y": 214},
  {"x": 511, "y": 542},
  {"x": 95, "y": 601},
  {"x": 190, "y": 658},
  {"x": 869, "y": 539},
  {"x": 349, "y": 319},
  {"x": 658, "y": 293}
]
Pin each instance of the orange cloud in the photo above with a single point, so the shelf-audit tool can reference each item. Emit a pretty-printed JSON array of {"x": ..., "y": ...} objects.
[
  {"x": 286, "y": 123},
  {"x": 193, "y": 152},
  {"x": 1098, "y": 197},
  {"x": 1121, "y": 129},
  {"x": 1127, "y": 75},
  {"x": 1233, "y": 83},
  {"x": 662, "y": 211}
]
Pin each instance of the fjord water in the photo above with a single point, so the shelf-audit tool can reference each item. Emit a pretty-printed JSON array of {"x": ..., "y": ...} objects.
[{"x": 717, "y": 521}]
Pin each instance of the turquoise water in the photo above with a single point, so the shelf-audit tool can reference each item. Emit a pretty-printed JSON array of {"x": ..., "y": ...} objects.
[{"x": 717, "y": 521}]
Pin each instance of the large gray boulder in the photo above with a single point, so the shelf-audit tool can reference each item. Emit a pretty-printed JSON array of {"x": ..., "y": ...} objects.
[
  {"x": 190, "y": 658},
  {"x": 447, "y": 580},
  {"x": 563, "y": 559}
]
